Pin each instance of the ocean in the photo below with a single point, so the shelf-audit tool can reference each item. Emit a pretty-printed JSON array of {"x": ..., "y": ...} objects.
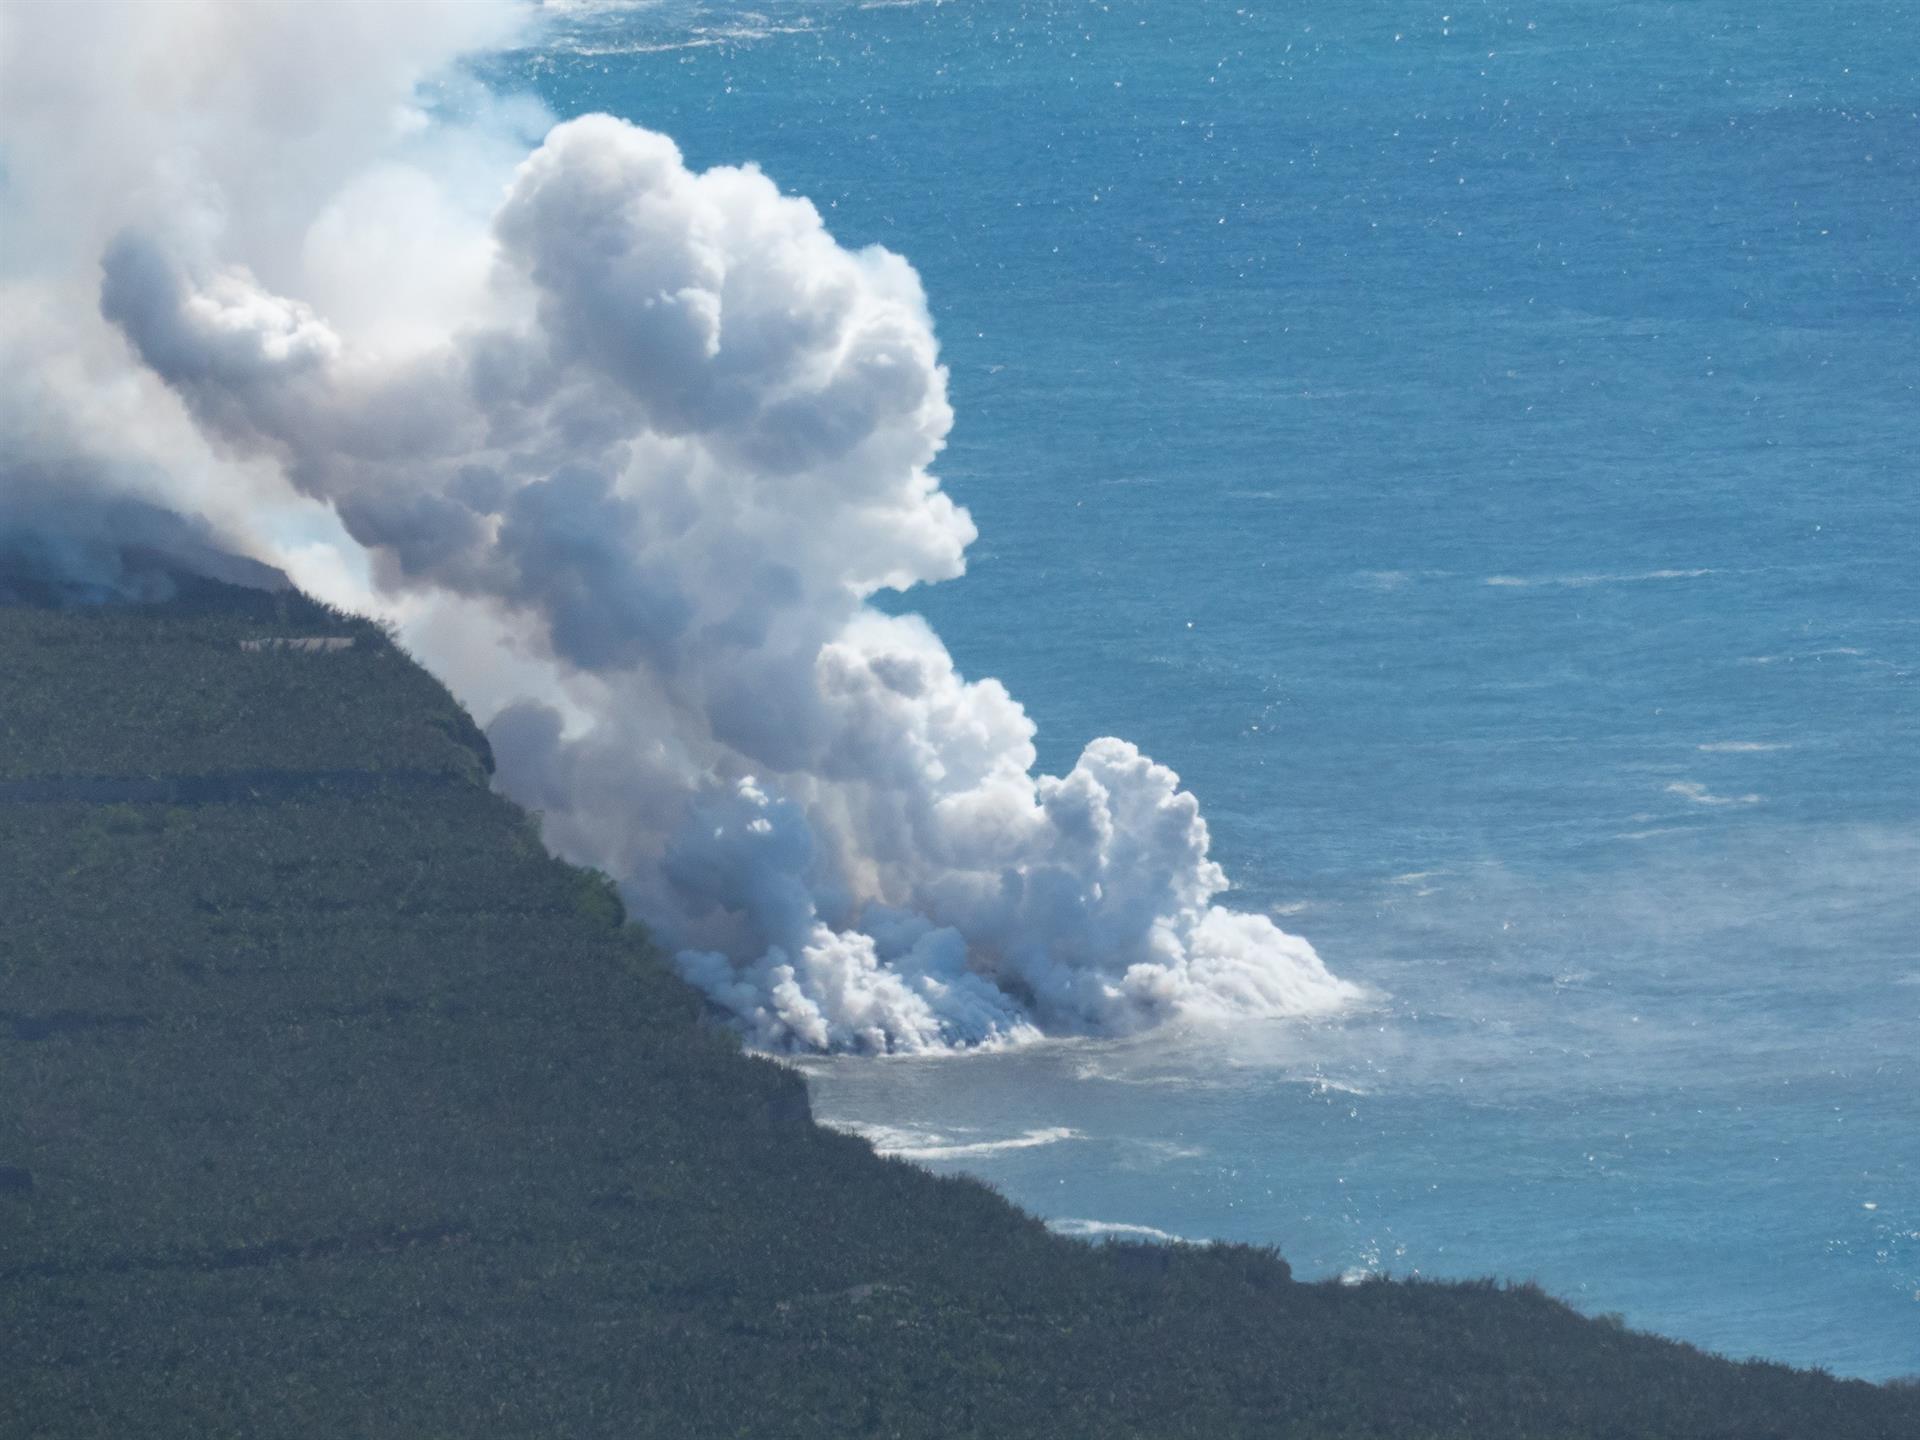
[{"x": 1474, "y": 445}]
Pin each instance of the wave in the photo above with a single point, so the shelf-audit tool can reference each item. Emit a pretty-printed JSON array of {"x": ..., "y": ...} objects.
[
  {"x": 1699, "y": 794},
  {"x": 591, "y": 29},
  {"x": 1154, "y": 1079},
  {"x": 1112, "y": 1230},
  {"x": 1577, "y": 582},
  {"x": 1322, "y": 1085},
  {"x": 1789, "y": 657},
  {"x": 697, "y": 39},
  {"x": 909, "y": 1144}
]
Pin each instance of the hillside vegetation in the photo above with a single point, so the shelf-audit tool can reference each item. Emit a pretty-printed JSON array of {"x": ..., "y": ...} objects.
[{"x": 331, "y": 1105}]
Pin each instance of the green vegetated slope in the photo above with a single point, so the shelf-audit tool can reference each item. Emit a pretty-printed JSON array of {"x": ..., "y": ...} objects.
[{"x": 331, "y": 1105}]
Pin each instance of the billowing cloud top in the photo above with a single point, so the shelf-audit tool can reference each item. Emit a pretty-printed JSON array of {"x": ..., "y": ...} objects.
[{"x": 630, "y": 465}]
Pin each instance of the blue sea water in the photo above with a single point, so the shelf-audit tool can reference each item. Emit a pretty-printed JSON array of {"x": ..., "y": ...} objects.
[{"x": 1474, "y": 444}]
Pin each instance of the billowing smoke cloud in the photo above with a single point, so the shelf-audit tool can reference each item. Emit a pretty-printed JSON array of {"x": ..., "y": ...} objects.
[{"x": 630, "y": 463}]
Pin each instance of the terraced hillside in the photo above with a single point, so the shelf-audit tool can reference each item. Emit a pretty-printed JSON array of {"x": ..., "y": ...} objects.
[{"x": 331, "y": 1105}]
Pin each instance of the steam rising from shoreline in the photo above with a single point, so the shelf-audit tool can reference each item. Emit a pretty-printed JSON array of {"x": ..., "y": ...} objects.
[{"x": 627, "y": 449}]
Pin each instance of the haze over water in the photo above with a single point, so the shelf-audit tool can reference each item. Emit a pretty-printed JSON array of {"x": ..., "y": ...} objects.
[{"x": 1473, "y": 445}]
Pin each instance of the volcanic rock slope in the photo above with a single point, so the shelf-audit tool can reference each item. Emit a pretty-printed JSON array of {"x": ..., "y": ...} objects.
[{"x": 332, "y": 1105}]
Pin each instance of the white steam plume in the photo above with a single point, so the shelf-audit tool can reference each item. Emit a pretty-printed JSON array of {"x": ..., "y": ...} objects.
[{"x": 629, "y": 448}]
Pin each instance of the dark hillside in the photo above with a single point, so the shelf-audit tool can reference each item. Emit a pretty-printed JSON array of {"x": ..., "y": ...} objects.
[{"x": 331, "y": 1105}]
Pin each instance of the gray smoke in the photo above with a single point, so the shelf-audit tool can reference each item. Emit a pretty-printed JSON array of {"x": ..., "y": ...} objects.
[
  {"x": 68, "y": 536},
  {"x": 628, "y": 466}
]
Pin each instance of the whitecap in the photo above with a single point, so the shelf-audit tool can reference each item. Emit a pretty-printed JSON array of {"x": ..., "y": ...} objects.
[
  {"x": 1699, "y": 794},
  {"x": 1578, "y": 582},
  {"x": 1322, "y": 1085},
  {"x": 1790, "y": 656},
  {"x": 1112, "y": 1230},
  {"x": 1169, "y": 1149},
  {"x": 1383, "y": 579},
  {"x": 910, "y": 1144}
]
